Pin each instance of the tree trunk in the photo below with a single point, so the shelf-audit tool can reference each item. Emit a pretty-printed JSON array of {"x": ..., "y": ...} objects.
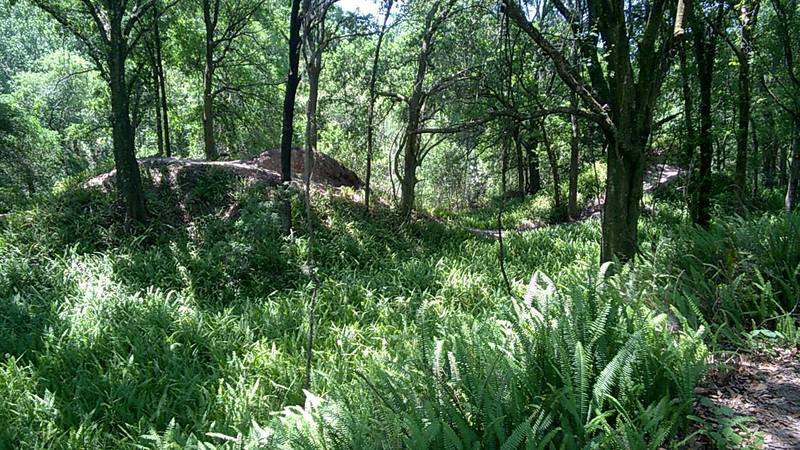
[
  {"x": 783, "y": 174},
  {"x": 572, "y": 202},
  {"x": 747, "y": 20},
  {"x": 553, "y": 160},
  {"x": 292, "y": 81},
  {"x": 701, "y": 214},
  {"x": 755, "y": 156},
  {"x": 409, "y": 181},
  {"x": 209, "y": 140},
  {"x": 534, "y": 178},
  {"x": 769, "y": 154},
  {"x": 162, "y": 83},
  {"x": 520, "y": 161},
  {"x": 688, "y": 107},
  {"x": 794, "y": 170},
  {"x": 129, "y": 183},
  {"x": 415, "y": 104},
  {"x": 373, "y": 80},
  {"x": 742, "y": 130},
  {"x": 623, "y": 196},
  {"x": 313, "y": 70},
  {"x": 157, "y": 93}
]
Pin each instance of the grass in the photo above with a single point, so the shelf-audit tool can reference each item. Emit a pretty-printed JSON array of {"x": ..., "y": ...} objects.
[{"x": 193, "y": 335}]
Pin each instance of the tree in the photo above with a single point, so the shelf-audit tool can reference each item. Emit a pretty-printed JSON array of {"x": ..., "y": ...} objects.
[
  {"x": 413, "y": 152},
  {"x": 705, "y": 51},
  {"x": 620, "y": 95},
  {"x": 110, "y": 31},
  {"x": 373, "y": 96},
  {"x": 746, "y": 20},
  {"x": 788, "y": 98},
  {"x": 224, "y": 22},
  {"x": 292, "y": 81},
  {"x": 160, "y": 85}
]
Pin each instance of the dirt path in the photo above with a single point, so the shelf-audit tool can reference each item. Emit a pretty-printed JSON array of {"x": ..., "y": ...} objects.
[{"x": 762, "y": 387}]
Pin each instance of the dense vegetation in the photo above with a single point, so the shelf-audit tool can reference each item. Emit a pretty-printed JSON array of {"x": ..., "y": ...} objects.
[{"x": 567, "y": 209}]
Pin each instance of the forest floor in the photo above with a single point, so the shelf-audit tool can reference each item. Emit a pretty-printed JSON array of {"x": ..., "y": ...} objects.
[
  {"x": 198, "y": 312},
  {"x": 756, "y": 396}
]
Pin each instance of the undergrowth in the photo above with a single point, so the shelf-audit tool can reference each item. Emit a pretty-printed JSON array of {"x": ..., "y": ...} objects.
[{"x": 191, "y": 334}]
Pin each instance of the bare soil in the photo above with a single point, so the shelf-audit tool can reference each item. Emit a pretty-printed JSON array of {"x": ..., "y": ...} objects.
[{"x": 764, "y": 387}]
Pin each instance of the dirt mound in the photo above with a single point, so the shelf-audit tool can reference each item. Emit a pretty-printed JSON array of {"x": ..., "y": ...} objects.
[
  {"x": 326, "y": 169},
  {"x": 265, "y": 168},
  {"x": 183, "y": 171},
  {"x": 192, "y": 188}
]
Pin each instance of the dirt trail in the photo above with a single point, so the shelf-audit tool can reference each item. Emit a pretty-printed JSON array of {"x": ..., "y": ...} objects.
[{"x": 763, "y": 387}]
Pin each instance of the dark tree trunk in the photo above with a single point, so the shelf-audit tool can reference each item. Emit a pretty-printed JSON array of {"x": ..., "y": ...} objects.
[
  {"x": 162, "y": 83},
  {"x": 129, "y": 183},
  {"x": 534, "y": 177},
  {"x": 794, "y": 169},
  {"x": 623, "y": 197},
  {"x": 292, "y": 81},
  {"x": 742, "y": 130},
  {"x": 744, "y": 53},
  {"x": 157, "y": 93},
  {"x": 520, "y": 159},
  {"x": 769, "y": 154},
  {"x": 553, "y": 160},
  {"x": 705, "y": 50},
  {"x": 209, "y": 139},
  {"x": 688, "y": 106},
  {"x": 574, "y": 162},
  {"x": 701, "y": 214}
]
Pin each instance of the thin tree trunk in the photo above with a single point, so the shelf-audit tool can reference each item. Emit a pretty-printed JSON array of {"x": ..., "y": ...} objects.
[
  {"x": 30, "y": 179},
  {"x": 157, "y": 93},
  {"x": 373, "y": 79},
  {"x": 783, "y": 173},
  {"x": 553, "y": 159},
  {"x": 162, "y": 83},
  {"x": 705, "y": 44},
  {"x": 744, "y": 54},
  {"x": 313, "y": 70},
  {"x": 769, "y": 153},
  {"x": 688, "y": 107},
  {"x": 572, "y": 202},
  {"x": 742, "y": 130},
  {"x": 791, "y": 200},
  {"x": 523, "y": 163},
  {"x": 755, "y": 156},
  {"x": 209, "y": 140}
]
